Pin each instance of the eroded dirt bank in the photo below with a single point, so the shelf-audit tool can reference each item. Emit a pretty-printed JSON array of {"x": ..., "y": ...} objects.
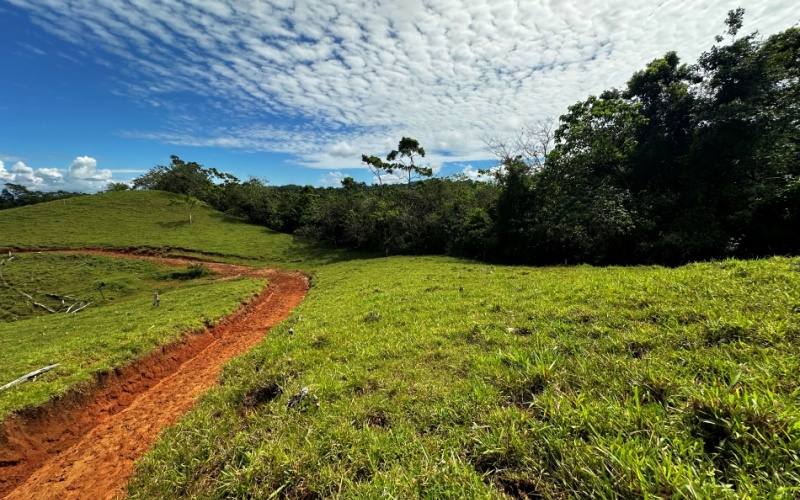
[{"x": 84, "y": 444}]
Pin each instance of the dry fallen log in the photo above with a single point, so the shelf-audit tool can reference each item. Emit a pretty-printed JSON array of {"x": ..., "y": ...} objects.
[
  {"x": 44, "y": 307},
  {"x": 27, "y": 377},
  {"x": 81, "y": 308},
  {"x": 60, "y": 297}
]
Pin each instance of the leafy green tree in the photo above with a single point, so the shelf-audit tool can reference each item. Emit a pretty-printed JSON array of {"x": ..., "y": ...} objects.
[
  {"x": 663, "y": 94},
  {"x": 476, "y": 236},
  {"x": 187, "y": 178},
  {"x": 117, "y": 186},
  {"x": 386, "y": 215},
  {"x": 17, "y": 195},
  {"x": 404, "y": 158},
  {"x": 585, "y": 187},
  {"x": 659, "y": 184},
  {"x": 326, "y": 219},
  {"x": 514, "y": 207},
  {"x": 745, "y": 153},
  {"x": 376, "y": 166},
  {"x": 349, "y": 183}
]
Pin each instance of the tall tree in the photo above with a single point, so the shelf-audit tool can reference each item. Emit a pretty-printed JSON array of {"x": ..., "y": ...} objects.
[
  {"x": 745, "y": 152},
  {"x": 404, "y": 158},
  {"x": 531, "y": 144},
  {"x": 181, "y": 177},
  {"x": 377, "y": 167}
]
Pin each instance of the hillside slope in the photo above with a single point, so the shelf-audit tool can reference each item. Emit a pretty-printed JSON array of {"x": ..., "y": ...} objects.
[
  {"x": 146, "y": 219},
  {"x": 115, "y": 324},
  {"x": 438, "y": 378}
]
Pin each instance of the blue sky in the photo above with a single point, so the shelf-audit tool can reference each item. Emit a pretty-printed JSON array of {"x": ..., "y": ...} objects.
[{"x": 93, "y": 91}]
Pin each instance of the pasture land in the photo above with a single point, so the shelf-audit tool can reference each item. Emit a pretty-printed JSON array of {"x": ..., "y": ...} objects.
[
  {"x": 435, "y": 377},
  {"x": 146, "y": 221},
  {"x": 118, "y": 324}
]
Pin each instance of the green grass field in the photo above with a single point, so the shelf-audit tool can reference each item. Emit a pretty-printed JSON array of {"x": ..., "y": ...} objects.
[
  {"x": 441, "y": 378},
  {"x": 146, "y": 220},
  {"x": 121, "y": 326},
  {"x": 117, "y": 325}
]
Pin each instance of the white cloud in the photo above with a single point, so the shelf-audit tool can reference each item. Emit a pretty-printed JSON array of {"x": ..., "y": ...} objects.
[
  {"x": 332, "y": 179},
  {"x": 83, "y": 172},
  {"x": 5, "y": 175},
  {"x": 472, "y": 173},
  {"x": 339, "y": 78},
  {"x": 23, "y": 174},
  {"x": 343, "y": 150},
  {"x": 81, "y": 175},
  {"x": 50, "y": 176}
]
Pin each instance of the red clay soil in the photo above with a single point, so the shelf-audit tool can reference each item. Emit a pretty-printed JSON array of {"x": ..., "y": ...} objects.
[{"x": 84, "y": 444}]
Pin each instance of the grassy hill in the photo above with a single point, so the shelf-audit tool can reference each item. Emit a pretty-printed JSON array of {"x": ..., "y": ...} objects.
[
  {"x": 147, "y": 220},
  {"x": 435, "y": 377}
]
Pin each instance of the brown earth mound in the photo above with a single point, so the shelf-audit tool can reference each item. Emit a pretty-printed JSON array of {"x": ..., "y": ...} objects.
[{"x": 84, "y": 444}]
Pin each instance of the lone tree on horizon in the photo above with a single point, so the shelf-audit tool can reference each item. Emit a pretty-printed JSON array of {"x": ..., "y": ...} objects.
[{"x": 401, "y": 159}]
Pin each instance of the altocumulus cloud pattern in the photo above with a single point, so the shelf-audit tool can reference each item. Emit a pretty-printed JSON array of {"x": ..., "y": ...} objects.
[{"x": 326, "y": 80}]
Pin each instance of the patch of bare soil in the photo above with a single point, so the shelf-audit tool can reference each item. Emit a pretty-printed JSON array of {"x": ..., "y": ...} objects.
[{"x": 84, "y": 444}]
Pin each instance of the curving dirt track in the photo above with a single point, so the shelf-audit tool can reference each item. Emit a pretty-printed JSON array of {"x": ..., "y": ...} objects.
[{"x": 84, "y": 444}]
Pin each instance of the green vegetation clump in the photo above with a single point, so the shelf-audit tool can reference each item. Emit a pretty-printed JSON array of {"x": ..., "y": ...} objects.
[
  {"x": 191, "y": 272},
  {"x": 439, "y": 378},
  {"x": 115, "y": 321}
]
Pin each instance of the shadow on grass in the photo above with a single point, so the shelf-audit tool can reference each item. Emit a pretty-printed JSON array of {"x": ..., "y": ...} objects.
[
  {"x": 302, "y": 250},
  {"x": 230, "y": 219},
  {"x": 173, "y": 224}
]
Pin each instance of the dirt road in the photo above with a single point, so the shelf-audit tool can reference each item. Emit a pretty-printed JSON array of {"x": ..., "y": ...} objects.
[{"x": 84, "y": 445}]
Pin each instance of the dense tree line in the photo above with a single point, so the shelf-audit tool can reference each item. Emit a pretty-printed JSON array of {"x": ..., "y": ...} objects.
[
  {"x": 432, "y": 216},
  {"x": 687, "y": 162}
]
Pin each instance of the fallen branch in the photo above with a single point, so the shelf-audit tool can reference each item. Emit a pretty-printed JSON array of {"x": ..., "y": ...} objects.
[
  {"x": 60, "y": 297},
  {"x": 81, "y": 308},
  {"x": 25, "y": 294},
  {"x": 44, "y": 307},
  {"x": 73, "y": 305},
  {"x": 29, "y": 376}
]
